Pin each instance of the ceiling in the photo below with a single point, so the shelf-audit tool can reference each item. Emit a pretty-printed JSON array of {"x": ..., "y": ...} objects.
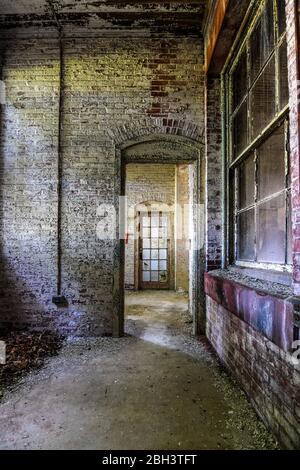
[{"x": 90, "y": 17}]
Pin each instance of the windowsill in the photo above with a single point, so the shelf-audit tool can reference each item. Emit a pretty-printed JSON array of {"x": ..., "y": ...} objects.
[{"x": 259, "y": 280}]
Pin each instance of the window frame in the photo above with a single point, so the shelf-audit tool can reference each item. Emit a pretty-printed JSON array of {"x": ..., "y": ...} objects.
[{"x": 231, "y": 163}]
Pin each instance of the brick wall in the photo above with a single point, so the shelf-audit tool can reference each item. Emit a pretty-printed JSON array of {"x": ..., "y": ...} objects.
[
  {"x": 114, "y": 89},
  {"x": 146, "y": 183},
  {"x": 264, "y": 371},
  {"x": 183, "y": 201},
  {"x": 214, "y": 175}
]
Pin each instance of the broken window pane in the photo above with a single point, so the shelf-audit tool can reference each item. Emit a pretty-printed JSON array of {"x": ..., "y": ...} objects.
[
  {"x": 246, "y": 183},
  {"x": 246, "y": 236},
  {"x": 281, "y": 16},
  {"x": 272, "y": 231},
  {"x": 240, "y": 130},
  {"x": 271, "y": 164},
  {"x": 239, "y": 80},
  {"x": 263, "y": 99},
  {"x": 262, "y": 40},
  {"x": 283, "y": 79}
]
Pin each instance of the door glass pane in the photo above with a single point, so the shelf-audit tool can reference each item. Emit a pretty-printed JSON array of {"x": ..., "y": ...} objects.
[
  {"x": 262, "y": 40},
  {"x": 154, "y": 243},
  {"x": 146, "y": 254},
  {"x": 271, "y": 231},
  {"x": 271, "y": 164},
  {"x": 146, "y": 243},
  {"x": 154, "y": 232},
  {"x": 146, "y": 276},
  {"x": 154, "y": 276},
  {"x": 146, "y": 222},
  {"x": 154, "y": 265},
  {"x": 163, "y": 265},
  {"x": 239, "y": 80},
  {"x": 163, "y": 232},
  {"x": 163, "y": 254},
  {"x": 240, "y": 130},
  {"x": 163, "y": 243},
  {"x": 155, "y": 222},
  {"x": 146, "y": 233},
  {"x": 246, "y": 183},
  {"x": 146, "y": 265},
  {"x": 163, "y": 222},
  {"x": 263, "y": 99},
  {"x": 283, "y": 78},
  {"x": 154, "y": 254},
  {"x": 246, "y": 236}
]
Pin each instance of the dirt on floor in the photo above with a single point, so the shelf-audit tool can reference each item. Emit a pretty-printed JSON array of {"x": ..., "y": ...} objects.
[
  {"x": 25, "y": 351},
  {"x": 156, "y": 388}
]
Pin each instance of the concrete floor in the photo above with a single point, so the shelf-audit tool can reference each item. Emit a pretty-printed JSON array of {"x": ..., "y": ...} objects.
[{"x": 156, "y": 388}]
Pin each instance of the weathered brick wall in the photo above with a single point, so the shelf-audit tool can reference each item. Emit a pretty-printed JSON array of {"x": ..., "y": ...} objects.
[
  {"x": 146, "y": 183},
  {"x": 265, "y": 372},
  {"x": 213, "y": 174},
  {"x": 114, "y": 89},
  {"x": 28, "y": 182},
  {"x": 184, "y": 205}
]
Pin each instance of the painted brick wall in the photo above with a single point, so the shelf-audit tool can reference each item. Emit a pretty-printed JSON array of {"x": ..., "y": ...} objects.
[
  {"x": 114, "y": 89},
  {"x": 146, "y": 183},
  {"x": 264, "y": 371}
]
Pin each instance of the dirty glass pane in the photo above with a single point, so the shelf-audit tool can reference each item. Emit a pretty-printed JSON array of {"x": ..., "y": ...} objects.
[
  {"x": 154, "y": 243},
  {"x": 146, "y": 266},
  {"x": 146, "y": 276},
  {"x": 163, "y": 254},
  {"x": 246, "y": 182},
  {"x": 283, "y": 79},
  {"x": 246, "y": 236},
  {"x": 281, "y": 16},
  {"x": 163, "y": 221},
  {"x": 146, "y": 254},
  {"x": 155, "y": 221},
  {"x": 146, "y": 243},
  {"x": 163, "y": 276},
  {"x": 163, "y": 243},
  {"x": 262, "y": 40},
  {"x": 146, "y": 233},
  {"x": 271, "y": 164},
  {"x": 163, "y": 232},
  {"x": 154, "y": 254},
  {"x": 154, "y": 232},
  {"x": 272, "y": 231},
  {"x": 146, "y": 221},
  {"x": 263, "y": 99},
  {"x": 239, "y": 80},
  {"x": 154, "y": 265},
  {"x": 154, "y": 277},
  {"x": 240, "y": 130},
  {"x": 163, "y": 265}
]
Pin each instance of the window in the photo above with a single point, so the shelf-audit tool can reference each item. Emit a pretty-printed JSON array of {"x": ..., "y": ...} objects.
[{"x": 257, "y": 123}]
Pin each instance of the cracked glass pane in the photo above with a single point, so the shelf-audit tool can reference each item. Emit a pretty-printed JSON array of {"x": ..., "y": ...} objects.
[{"x": 239, "y": 80}]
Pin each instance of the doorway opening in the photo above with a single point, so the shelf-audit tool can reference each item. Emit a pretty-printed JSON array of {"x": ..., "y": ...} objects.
[{"x": 159, "y": 234}]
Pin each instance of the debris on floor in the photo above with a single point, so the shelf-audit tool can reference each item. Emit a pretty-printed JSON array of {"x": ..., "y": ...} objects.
[{"x": 25, "y": 351}]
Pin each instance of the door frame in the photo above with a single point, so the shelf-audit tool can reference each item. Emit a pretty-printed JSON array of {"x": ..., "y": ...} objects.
[{"x": 159, "y": 148}]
